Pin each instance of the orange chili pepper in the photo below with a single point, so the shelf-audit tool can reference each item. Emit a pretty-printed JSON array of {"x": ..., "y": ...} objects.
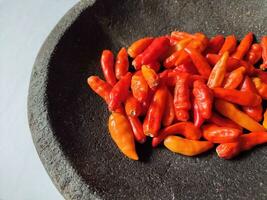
[
  {"x": 139, "y": 86},
  {"x": 122, "y": 63},
  {"x": 244, "y": 46},
  {"x": 264, "y": 123},
  {"x": 245, "y": 142},
  {"x": 261, "y": 87},
  {"x": 119, "y": 92},
  {"x": 243, "y": 98},
  {"x": 231, "y": 63},
  {"x": 217, "y": 134},
  {"x": 137, "y": 128},
  {"x": 132, "y": 106},
  {"x": 230, "y": 111},
  {"x": 218, "y": 72},
  {"x": 215, "y": 44},
  {"x": 155, "y": 112},
  {"x": 199, "y": 61},
  {"x": 187, "y": 147},
  {"x": 150, "y": 76},
  {"x": 203, "y": 98},
  {"x": 202, "y": 38},
  {"x": 224, "y": 122},
  {"x": 186, "y": 129},
  {"x": 264, "y": 52},
  {"x": 122, "y": 134},
  {"x": 139, "y": 46},
  {"x": 169, "y": 113},
  {"x": 181, "y": 35},
  {"x": 187, "y": 67},
  {"x": 107, "y": 64},
  {"x": 170, "y": 61},
  {"x": 153, "y": 52},
  {"x": 228, "y": 45},
  {"x": 198, "y": 118},
  {"x": 234, "y": 79},
  {"x": 182, "y": 103},
  {"x": 254, "y": 54},
  {"x": 100, "y": 87},
  {"x": 253, "y": 111}
]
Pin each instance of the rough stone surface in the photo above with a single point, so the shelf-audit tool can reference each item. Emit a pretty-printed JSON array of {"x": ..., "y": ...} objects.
[{"x": 69, "y": 122}]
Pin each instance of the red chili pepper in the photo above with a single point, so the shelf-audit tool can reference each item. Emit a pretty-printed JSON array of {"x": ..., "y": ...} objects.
[
  {"x": 229, "y": 45},
  {"x": 139, "y": 46},
  {"x": 139, "y": 87},
  {"x": 155, "y": 112},
  {"x": 224, "y": 122},
  {"x": 100, "y": 87},
  {"x": 253, "y": 111},
  {"x": 254, "y": 54},
  {"x": 264, "y": 52},
  {"x": 203, "y": 98},
  {"x": 234, "y": 79},
  {"x": 187, "y": 67},
  {"x": 107, "y": 64},
  {"x": 122, "y": 63},
  {"x": 186, "y": 129},
  {"x": 198, "y": 118},
  {"x": 261, "y": 74},
  {"x": 264, "y": 123},
  {"x": 245, "y": 142},
  {"x": 215, "y": 44},
  {"x": 137, "y": 128},
  {"x": 231, "y": 63},
  {"x": 217, "y": 134},
  {"x": 199, "y": 61},
  {"x": 120, "y": 91},
  {"x": 150, "y": 76},
  {"x": 146, "y": 102},
  {"x": 132, "y": 106},
  {"x": 153, "y": 52},
  {"x": 244, "y": 46},
  {"x": 239, "y": 97},
  {"x": 218, "y": 72},
  {"x": 182, "y": 97},
  {"x": 261, "y": 87},
  {"x": 155, "y": 66},
  {"x": 169, "y": 113}
]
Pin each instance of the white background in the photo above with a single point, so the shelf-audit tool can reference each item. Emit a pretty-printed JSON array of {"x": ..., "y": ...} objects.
[{"x": 24, "y": 26}]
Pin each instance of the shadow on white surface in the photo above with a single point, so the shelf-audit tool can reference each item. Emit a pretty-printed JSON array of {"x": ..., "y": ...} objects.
[{"x": 24, "y": 27}]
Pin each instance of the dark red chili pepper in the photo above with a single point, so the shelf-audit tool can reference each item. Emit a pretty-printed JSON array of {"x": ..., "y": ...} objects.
[
  {"x": 120, "y": 91},
  {"x": 253, "y": 111},
  {"x": 264, "y": 52},
  {"x": 187, "y": 67},
  {"x": 155, "y": 66},
  {"x": 261, "y": 74},
  {"x": 137, "y": 128},
  {"x": 254, "y": 54},
  {"x": 153, "y": 52},
  {"x": 228, "y": 45},
  {"x": 198, "y": 119},
  {"x": 122, "y": 63},
  {"x": 169, "y": 113},
  {"x": 244, "y": 46},
  {"x": 155, "y": 112},
  {"x": 199, "y": 61},
  {"x": 215, "y": 44},
  {"x": 107, "y": 64},
  {"x": 203, "y": 98},
  {"x": 186, "y": 129}
]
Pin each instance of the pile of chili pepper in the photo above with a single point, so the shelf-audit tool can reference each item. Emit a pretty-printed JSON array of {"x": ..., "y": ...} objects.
[{"x": 188, "y": 92}]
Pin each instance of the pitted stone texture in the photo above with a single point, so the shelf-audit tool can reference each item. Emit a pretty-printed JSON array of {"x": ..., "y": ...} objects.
[{"x": 69, "y": 122}]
